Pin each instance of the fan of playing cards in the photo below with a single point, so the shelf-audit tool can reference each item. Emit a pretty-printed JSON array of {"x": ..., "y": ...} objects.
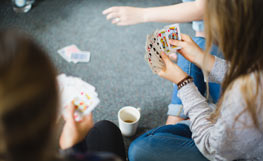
[
  {"x": 159, "y": 42},
  {"x": 73, "y": 54},
  {"x": 79, "y": 92}
]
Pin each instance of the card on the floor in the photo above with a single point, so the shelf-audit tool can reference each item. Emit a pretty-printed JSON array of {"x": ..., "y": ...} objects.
[
  {"x": 66, "y": 51},
  {"x": 73, "y": 54},
  {"x": 81, "y": 56}
]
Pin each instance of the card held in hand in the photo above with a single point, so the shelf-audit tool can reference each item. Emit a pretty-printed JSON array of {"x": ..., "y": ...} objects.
[
  {"x": 173, "y": 33},
  {"x": 157, "y": 43}
]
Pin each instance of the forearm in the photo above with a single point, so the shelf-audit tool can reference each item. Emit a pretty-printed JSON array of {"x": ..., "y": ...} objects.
[
  {"x": 183, "y": 12},
  {"x": 205, "y": 62}
]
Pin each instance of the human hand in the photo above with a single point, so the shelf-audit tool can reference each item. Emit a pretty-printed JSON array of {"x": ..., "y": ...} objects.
[
  {"x": 73, "y": 131},
  {"x": 124, "y": 16},
  {"x": 190, "y": 50},
  {"x": 171, "y": 71}
]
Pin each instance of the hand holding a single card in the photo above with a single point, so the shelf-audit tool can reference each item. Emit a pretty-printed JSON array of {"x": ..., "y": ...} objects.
[
  {"x": 73, "y": 131},
  {"x": 190, "y": 50},
  {"x": 171, "y": 71}
]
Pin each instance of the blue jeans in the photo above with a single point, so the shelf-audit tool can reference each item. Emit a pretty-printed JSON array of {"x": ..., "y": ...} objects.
[
  {"x": 175, "y": 107},
  {"x": 165, "y": 143}
]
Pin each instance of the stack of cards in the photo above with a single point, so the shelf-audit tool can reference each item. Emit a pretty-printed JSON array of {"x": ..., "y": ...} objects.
[
  {"x": 159, "y": 42},
  {"x": 72, "y": 53},
  {"x": 82, "y": 94}
]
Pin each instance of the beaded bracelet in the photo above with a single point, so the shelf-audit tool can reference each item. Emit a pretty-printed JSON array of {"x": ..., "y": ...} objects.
[{"x": 184, "y": 82}]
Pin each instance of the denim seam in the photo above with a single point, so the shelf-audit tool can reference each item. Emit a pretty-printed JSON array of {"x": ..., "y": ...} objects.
[
  {"x": 154, "y": 130},
  {"x": 178, "y": 137}
]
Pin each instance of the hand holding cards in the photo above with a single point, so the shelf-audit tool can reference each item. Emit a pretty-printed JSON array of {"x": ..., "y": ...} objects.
[
  {"x": 159, "y": 42},
  {"x": 80, "y": 93}
]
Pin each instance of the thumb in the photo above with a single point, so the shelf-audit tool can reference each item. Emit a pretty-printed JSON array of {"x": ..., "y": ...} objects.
[
  {"x": 70, "y": 113},
  {"x": 165, "y": 58},
  {"x": 173, "y": 57}
]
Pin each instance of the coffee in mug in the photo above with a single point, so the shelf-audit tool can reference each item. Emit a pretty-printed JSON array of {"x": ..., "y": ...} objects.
[{"x": 129, "y": 117}]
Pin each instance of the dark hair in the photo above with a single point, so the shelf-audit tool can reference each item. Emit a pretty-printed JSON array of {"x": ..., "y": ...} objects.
[{"x": 28, "y": 98}]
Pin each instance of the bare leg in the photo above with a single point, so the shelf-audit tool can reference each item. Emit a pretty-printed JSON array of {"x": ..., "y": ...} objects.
[
  {"x": 171, "y": 120},
  {"x": 199, "y": 34}
]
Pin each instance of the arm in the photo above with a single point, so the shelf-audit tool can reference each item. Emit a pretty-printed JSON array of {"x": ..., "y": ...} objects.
[
  {"x": 218, "y": 70},
  {"x": 183, "y": 12},
  {"x": 215, "y": 66},
  {"x": 74, "y": 132},
  {"x": 228, "y": 138}
]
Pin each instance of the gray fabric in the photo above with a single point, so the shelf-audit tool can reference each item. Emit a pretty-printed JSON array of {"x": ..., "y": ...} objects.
[
  {"x": 227, "y": 138},
  {"x": 218, "y": 71}
]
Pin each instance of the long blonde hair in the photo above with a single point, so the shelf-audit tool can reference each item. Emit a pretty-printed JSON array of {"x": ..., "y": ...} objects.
[
  {"x": 236, "y": 26},
  {"x": 28, "y": 98}
]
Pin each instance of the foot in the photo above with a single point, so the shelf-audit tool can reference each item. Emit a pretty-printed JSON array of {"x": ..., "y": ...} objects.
[{"x": 171, "y": 120}]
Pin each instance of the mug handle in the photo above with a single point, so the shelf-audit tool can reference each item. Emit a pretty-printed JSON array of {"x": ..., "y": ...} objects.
[{"x": 139, "y": 109}]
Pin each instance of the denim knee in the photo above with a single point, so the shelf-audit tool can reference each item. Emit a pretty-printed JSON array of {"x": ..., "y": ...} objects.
[{"x": 135, "y": 151}]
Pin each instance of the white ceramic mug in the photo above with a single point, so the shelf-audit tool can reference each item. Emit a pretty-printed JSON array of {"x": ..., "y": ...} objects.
[{"x": 129, "y": 117}]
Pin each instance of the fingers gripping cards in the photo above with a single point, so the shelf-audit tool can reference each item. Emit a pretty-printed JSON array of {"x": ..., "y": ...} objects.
[
  {"x": 159, "y": 42},
  {"x": 173, "y": 33},
  {"x": 80, "y": 93}
]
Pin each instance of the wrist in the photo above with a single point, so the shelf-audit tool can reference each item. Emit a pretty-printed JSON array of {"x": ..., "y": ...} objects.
[
  {"x": 180, "y": 76},
  {"x": 184, "y": 82},
  {"x": 199, "y": 59}
]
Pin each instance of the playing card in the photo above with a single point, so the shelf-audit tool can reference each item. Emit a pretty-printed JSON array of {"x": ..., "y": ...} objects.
[
  {"x": 66, "y": 51},
  {"x": 81, "y": 56},
  {"x": 157, "y": 43},
  {"x": 173, "y": 33},
  {"x": 85, "y": 102},
  {"x": 162, "y": 39},
  {"x": 83, "y": 95},
  {"x": 153, "y": 53},
  {"x": 148, "y": 44}
]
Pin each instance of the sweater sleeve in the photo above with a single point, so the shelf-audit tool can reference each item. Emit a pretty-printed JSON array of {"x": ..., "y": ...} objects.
[
  {"x": 226, "y": 139},
  {"x": 218, "y": 71}
]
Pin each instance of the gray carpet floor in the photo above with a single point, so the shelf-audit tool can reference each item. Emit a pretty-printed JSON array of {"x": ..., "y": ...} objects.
[{"x": 117, "y": 68}]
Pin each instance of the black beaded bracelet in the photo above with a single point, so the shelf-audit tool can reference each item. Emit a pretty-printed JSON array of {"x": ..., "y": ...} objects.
[{"x": 184, "y": 82}]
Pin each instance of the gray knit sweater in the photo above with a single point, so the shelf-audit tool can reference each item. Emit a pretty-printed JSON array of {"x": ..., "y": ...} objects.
[{"x": 227, "y": 138}]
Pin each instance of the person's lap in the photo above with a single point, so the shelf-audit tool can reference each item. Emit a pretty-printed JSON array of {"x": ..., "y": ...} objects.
[
  {"x": 105, "y": 136},
  {"x": 170, "y": 142}
]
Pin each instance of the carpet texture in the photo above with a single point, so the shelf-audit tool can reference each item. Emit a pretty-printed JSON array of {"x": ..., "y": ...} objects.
[{"x": 117, "y": 68}]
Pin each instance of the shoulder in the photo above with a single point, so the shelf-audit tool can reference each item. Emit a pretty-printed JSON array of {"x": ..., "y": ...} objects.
[
  {"x": 243, "y": 98},
  {"x": 248, "y": 85}
]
